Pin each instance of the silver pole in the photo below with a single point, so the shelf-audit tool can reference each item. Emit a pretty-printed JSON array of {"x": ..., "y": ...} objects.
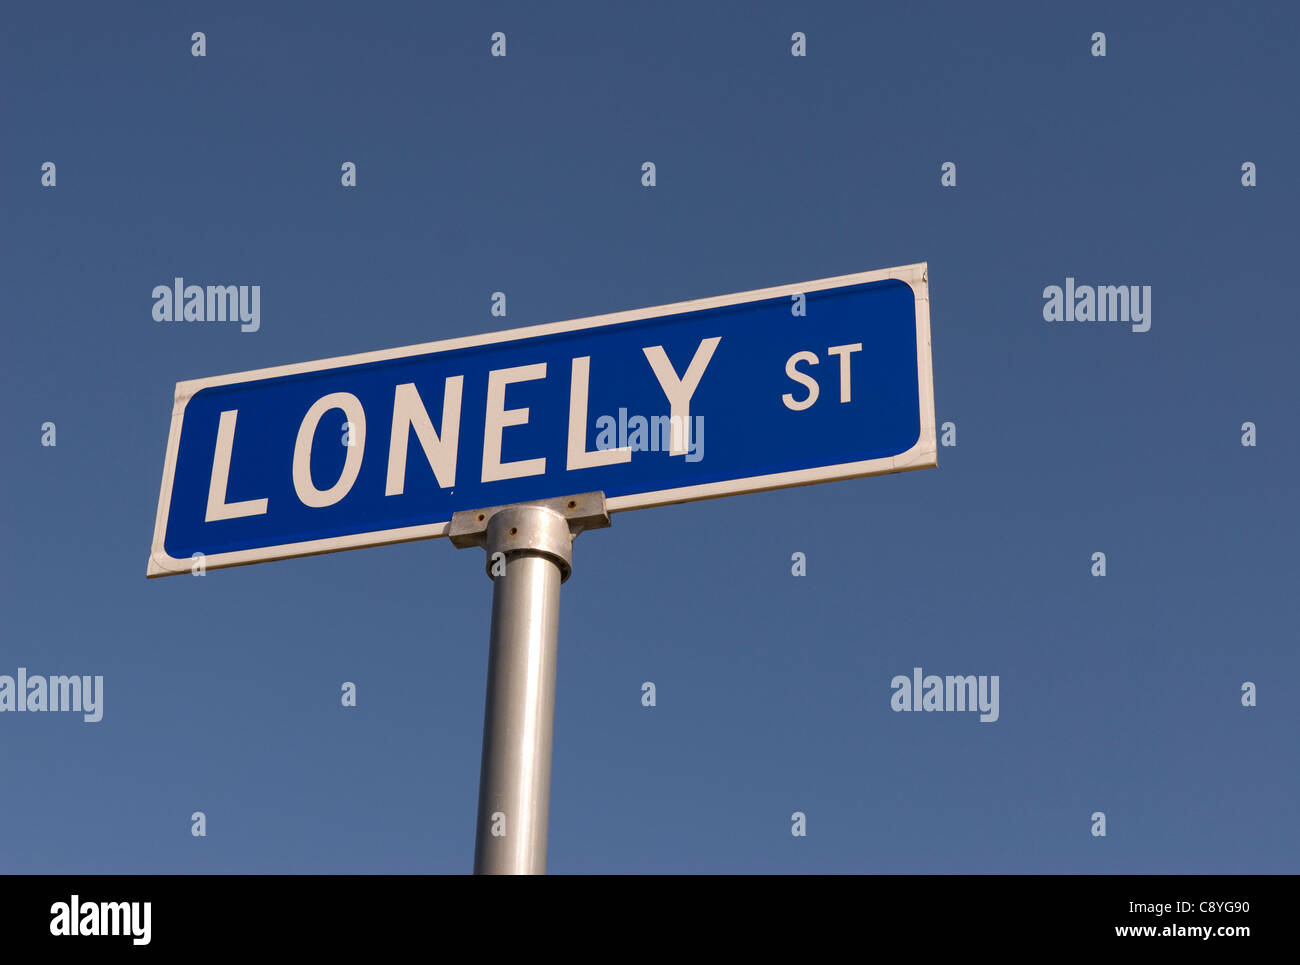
[{"x": 529, "y": 554}]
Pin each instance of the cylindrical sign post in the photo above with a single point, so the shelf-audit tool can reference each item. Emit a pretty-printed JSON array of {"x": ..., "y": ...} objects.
[{"x": 529, "y": 554}]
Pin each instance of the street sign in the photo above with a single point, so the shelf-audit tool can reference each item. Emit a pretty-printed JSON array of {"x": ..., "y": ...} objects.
[{"x": 765, "y": 389}]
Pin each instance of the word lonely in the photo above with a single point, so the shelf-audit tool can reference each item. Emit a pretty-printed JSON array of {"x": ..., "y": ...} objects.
[{"x": 441, "y": 446}]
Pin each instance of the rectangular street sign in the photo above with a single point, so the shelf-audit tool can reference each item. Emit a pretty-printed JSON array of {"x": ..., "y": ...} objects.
[{"x": 784, "y": 386}]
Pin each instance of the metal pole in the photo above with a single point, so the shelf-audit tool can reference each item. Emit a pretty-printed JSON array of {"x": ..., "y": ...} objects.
[{"x": 529, "y": 554}]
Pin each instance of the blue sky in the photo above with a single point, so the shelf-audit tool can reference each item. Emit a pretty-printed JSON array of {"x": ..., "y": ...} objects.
[{"x": 522, "y": 174}]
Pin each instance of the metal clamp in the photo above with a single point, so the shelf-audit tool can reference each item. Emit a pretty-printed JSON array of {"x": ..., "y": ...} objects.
[{"x": 547, "y": 527}]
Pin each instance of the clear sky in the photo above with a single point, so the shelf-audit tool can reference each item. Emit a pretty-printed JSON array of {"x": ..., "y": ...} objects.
[{"x": 1120, "y": 694}]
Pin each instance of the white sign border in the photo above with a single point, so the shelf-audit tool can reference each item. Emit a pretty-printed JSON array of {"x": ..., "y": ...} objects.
[{"x": 923, "y": 455}]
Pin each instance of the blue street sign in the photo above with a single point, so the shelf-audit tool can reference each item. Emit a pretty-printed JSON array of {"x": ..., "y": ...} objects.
[{"x": 785, "y": 386}]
